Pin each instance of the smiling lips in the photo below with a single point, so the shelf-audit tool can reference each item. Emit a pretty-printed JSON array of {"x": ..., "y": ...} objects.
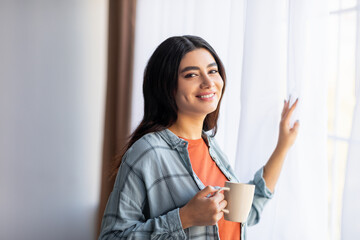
[{"x": 207, "y": 96}]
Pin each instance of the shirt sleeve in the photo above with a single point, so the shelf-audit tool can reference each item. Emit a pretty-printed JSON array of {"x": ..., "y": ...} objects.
[
  {"x": 126, "y": 213},
  {"x": 261, "y": 197}
]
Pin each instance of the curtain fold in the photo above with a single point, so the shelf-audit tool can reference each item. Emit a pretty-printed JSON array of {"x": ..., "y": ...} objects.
[{"x": 122, "y": 15}]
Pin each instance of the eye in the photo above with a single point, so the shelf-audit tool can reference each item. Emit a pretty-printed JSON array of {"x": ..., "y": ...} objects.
[
  {"x": 190, "y": 75},
  {"x": 213, "y": 71}
]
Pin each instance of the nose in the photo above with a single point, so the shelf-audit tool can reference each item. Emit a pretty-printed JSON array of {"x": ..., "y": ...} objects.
[{"x": 207, "y": 82}]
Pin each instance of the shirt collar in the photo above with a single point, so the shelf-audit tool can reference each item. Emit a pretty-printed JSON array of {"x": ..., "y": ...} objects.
[
  {"x": 171, "y": 139},
  {"x": 174, "y": 141}
]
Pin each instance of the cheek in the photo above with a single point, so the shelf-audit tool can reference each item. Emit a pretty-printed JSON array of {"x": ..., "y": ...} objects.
[
  {"x": 220, "y": 84},
  {"x": 185, "y": 90},
  {"x": 181, "y": 97}
]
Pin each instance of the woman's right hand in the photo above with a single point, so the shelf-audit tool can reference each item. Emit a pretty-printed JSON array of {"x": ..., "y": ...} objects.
[{"x": 202, "y": 210}]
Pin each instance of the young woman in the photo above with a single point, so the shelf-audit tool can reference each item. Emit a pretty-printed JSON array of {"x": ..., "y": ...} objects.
[{"x": 166, "y": 184}]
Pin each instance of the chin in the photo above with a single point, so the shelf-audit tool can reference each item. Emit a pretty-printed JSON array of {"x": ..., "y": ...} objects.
[{"x": 210, "y": 110}]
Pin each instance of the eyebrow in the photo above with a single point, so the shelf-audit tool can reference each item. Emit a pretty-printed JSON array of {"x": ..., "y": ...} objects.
[{"x": 197, "y": 68}]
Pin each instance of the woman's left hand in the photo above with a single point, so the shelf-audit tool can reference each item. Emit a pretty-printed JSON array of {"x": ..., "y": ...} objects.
[{"x": 287, "y": 135}]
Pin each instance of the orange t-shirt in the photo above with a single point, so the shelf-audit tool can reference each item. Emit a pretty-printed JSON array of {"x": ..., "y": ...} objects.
[{"x": 209, "y": 173}]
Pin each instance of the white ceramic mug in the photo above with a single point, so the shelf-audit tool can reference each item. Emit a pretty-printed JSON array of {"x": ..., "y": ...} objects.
[{"x": 239, "y": 197}]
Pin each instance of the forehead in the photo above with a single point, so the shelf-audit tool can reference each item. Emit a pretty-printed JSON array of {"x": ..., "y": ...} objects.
[{"x": 198, "y": 57}]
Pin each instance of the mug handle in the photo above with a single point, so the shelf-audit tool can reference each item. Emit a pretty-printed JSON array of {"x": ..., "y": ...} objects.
[
  {"x": 225, "y": 189},
  {"x": 225, "y": 211}
]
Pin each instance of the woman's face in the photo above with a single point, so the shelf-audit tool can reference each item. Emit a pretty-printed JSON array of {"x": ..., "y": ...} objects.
[{"x": 199, "y": 84}]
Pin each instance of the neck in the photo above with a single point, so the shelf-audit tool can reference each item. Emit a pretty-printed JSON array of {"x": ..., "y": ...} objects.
[{"x": 188, "y": 127}]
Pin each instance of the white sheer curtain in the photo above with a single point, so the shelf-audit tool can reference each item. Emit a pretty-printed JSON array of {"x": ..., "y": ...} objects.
[
  {"x": 284, "y": 54},
  {"x": 270, "y": 50}
]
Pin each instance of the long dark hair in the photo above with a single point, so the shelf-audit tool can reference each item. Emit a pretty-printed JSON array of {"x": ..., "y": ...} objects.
[{"x": 160, "y": 86}]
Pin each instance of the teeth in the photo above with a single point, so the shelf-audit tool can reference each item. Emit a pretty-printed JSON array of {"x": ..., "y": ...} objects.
[{"x": 207, "y": 96}]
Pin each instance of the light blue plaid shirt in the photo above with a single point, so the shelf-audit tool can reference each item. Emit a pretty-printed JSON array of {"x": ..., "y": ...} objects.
[{"x": 155, "y": 179}]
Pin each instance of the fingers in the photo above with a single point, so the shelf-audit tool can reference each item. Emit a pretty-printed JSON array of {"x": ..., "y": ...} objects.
[
  {"x": 296, "y": 126},
  {"x": 208, "y": 192},
  {"x": 284, "y": 109},
  {"x": 205, "y": 208},
  {"x": 219, "y": 216},
  {"x": 221, "y": 207},
  {"x": 219, "y": 197},
  {"x": 218, "y": 201},
  {"x": 222, "y": 204},
  {"x": 289, "y": 112}
]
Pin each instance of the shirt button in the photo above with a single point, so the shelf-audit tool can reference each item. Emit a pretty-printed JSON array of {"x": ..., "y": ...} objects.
[{"x": 230, "y": 177}]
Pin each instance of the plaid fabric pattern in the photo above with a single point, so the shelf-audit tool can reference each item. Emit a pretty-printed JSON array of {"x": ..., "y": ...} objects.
[{"x": 155, "y": 179}]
